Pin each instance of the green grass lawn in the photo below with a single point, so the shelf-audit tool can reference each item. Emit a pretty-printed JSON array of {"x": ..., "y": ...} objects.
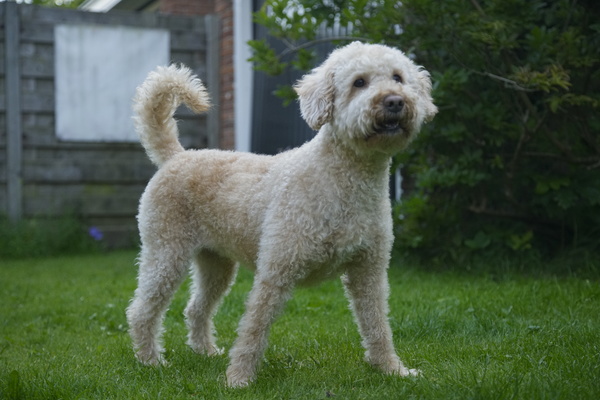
[{"x": 474, "y": 336}]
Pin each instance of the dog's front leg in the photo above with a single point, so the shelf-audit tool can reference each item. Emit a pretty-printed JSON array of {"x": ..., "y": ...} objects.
[
  {"x": 367, "y": 289},
  {"x": 265, "y": 302}
]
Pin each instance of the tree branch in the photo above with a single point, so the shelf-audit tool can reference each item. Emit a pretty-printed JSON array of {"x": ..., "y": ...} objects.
[
  {"x": 291, "y": 48},
  {"x": 478, "y": 7},
  {"x": 508, "y": 82}
]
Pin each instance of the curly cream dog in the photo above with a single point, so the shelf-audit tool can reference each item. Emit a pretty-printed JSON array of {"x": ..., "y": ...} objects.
[{"x": 312, "y": 213}]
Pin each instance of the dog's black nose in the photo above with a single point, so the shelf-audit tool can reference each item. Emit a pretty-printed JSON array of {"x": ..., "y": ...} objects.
[{"x": 393, "y": 103}]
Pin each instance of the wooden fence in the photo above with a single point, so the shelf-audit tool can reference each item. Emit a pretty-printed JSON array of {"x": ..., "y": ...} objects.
[{"x": 100, "y": 182}]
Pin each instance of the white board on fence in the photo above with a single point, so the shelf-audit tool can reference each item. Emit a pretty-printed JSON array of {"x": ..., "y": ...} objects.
[{"x": 97, "y": 69}]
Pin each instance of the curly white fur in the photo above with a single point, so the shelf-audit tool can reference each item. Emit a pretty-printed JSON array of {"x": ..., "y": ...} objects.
[{"x": 315, "y": 212}]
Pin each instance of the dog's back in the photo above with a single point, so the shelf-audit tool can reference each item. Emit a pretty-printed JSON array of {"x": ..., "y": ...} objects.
[{"x": 216, "y": 195}]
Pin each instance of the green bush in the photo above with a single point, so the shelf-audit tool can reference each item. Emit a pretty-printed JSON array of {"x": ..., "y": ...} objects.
[
  {"x": 37, "y": 237},
  {"x": 512, "y": 161}
]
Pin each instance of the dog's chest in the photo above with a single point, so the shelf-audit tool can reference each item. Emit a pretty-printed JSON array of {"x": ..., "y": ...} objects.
[
  {"x": 332, "y": 259},
  {"x": 342, "y": 240}
]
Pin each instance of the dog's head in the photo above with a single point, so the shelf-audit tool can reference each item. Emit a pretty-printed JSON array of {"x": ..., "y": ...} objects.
[{"x": 372, "y": 93}]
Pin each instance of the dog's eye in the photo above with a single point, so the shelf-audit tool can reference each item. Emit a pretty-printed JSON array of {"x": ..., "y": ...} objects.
[
  {"x": 397, "y": 78},
  {"x": 360, "y": 82}
]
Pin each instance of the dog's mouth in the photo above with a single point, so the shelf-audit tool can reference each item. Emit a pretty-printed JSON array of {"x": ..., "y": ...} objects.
[{"x": 389, "y": 127}]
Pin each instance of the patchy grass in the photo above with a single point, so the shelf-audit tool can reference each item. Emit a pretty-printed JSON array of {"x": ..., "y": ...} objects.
[{"x": 474, "y": 335}]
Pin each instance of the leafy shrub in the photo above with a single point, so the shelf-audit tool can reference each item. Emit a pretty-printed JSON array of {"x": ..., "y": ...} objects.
[{"x": 512, "y": 161}]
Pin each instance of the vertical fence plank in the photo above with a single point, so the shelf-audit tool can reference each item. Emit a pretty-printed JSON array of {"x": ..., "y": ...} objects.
[
  {"x": 212, "y": 77},
  {"x": 14, "y": 145}
]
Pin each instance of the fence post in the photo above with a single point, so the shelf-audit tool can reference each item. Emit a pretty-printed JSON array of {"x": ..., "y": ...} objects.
[
  {"x": 212, "y": 77},
  {"x": 14, "y": 145}
]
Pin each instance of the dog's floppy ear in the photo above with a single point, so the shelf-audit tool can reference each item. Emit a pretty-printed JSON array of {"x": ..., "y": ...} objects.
[
  {"x": 425, "y": 94},
  {"x": 316, "y": 94}
]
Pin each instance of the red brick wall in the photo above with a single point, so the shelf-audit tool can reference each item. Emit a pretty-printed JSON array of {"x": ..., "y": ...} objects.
[
  {"x": 224, "y": 9},
  {"x": 186, "y": 7}
]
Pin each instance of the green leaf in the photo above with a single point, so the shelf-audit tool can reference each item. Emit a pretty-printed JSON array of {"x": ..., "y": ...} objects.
[
  {"x": 480, "y": 241},
  {"x": 287, "y": 93},
  {"x": 547, "y": 183},
  {"x": 265, "y": 59},
  {"x": 304, "y": 60},
  {"x": 566, "y": 199},
  {"x": 521, "y": 242}
]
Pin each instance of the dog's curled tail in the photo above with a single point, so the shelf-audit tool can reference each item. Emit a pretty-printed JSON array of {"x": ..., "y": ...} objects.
[{"x": 155, "y": 103}]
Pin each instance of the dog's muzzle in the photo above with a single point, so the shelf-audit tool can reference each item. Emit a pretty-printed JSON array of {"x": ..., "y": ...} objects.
[{"x": 390, "y": 122}]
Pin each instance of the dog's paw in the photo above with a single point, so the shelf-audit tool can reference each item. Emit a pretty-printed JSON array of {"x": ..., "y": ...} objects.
[
  {"x": 237, "y": 378},
  {"x": 392, "y": 366},
  {"x": 208, "y": 350},
  {"x": 215, "y": 351},
  {"x": 401, "y": 370},
  {"x": 151, "y": 359},
  {"x": 237, "y": 383}
]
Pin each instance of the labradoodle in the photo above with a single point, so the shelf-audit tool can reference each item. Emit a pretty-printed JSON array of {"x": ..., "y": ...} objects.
[{"x": 311, "y": 213}]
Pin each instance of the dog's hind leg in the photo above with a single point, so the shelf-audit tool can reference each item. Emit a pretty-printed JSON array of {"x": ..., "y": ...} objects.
[
  {"x": 161, "y": 271},
  {"x": 212, "y": 278}
]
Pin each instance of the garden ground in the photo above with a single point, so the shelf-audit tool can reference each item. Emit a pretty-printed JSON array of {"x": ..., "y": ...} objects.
[{"x": 475, "y": 335}]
